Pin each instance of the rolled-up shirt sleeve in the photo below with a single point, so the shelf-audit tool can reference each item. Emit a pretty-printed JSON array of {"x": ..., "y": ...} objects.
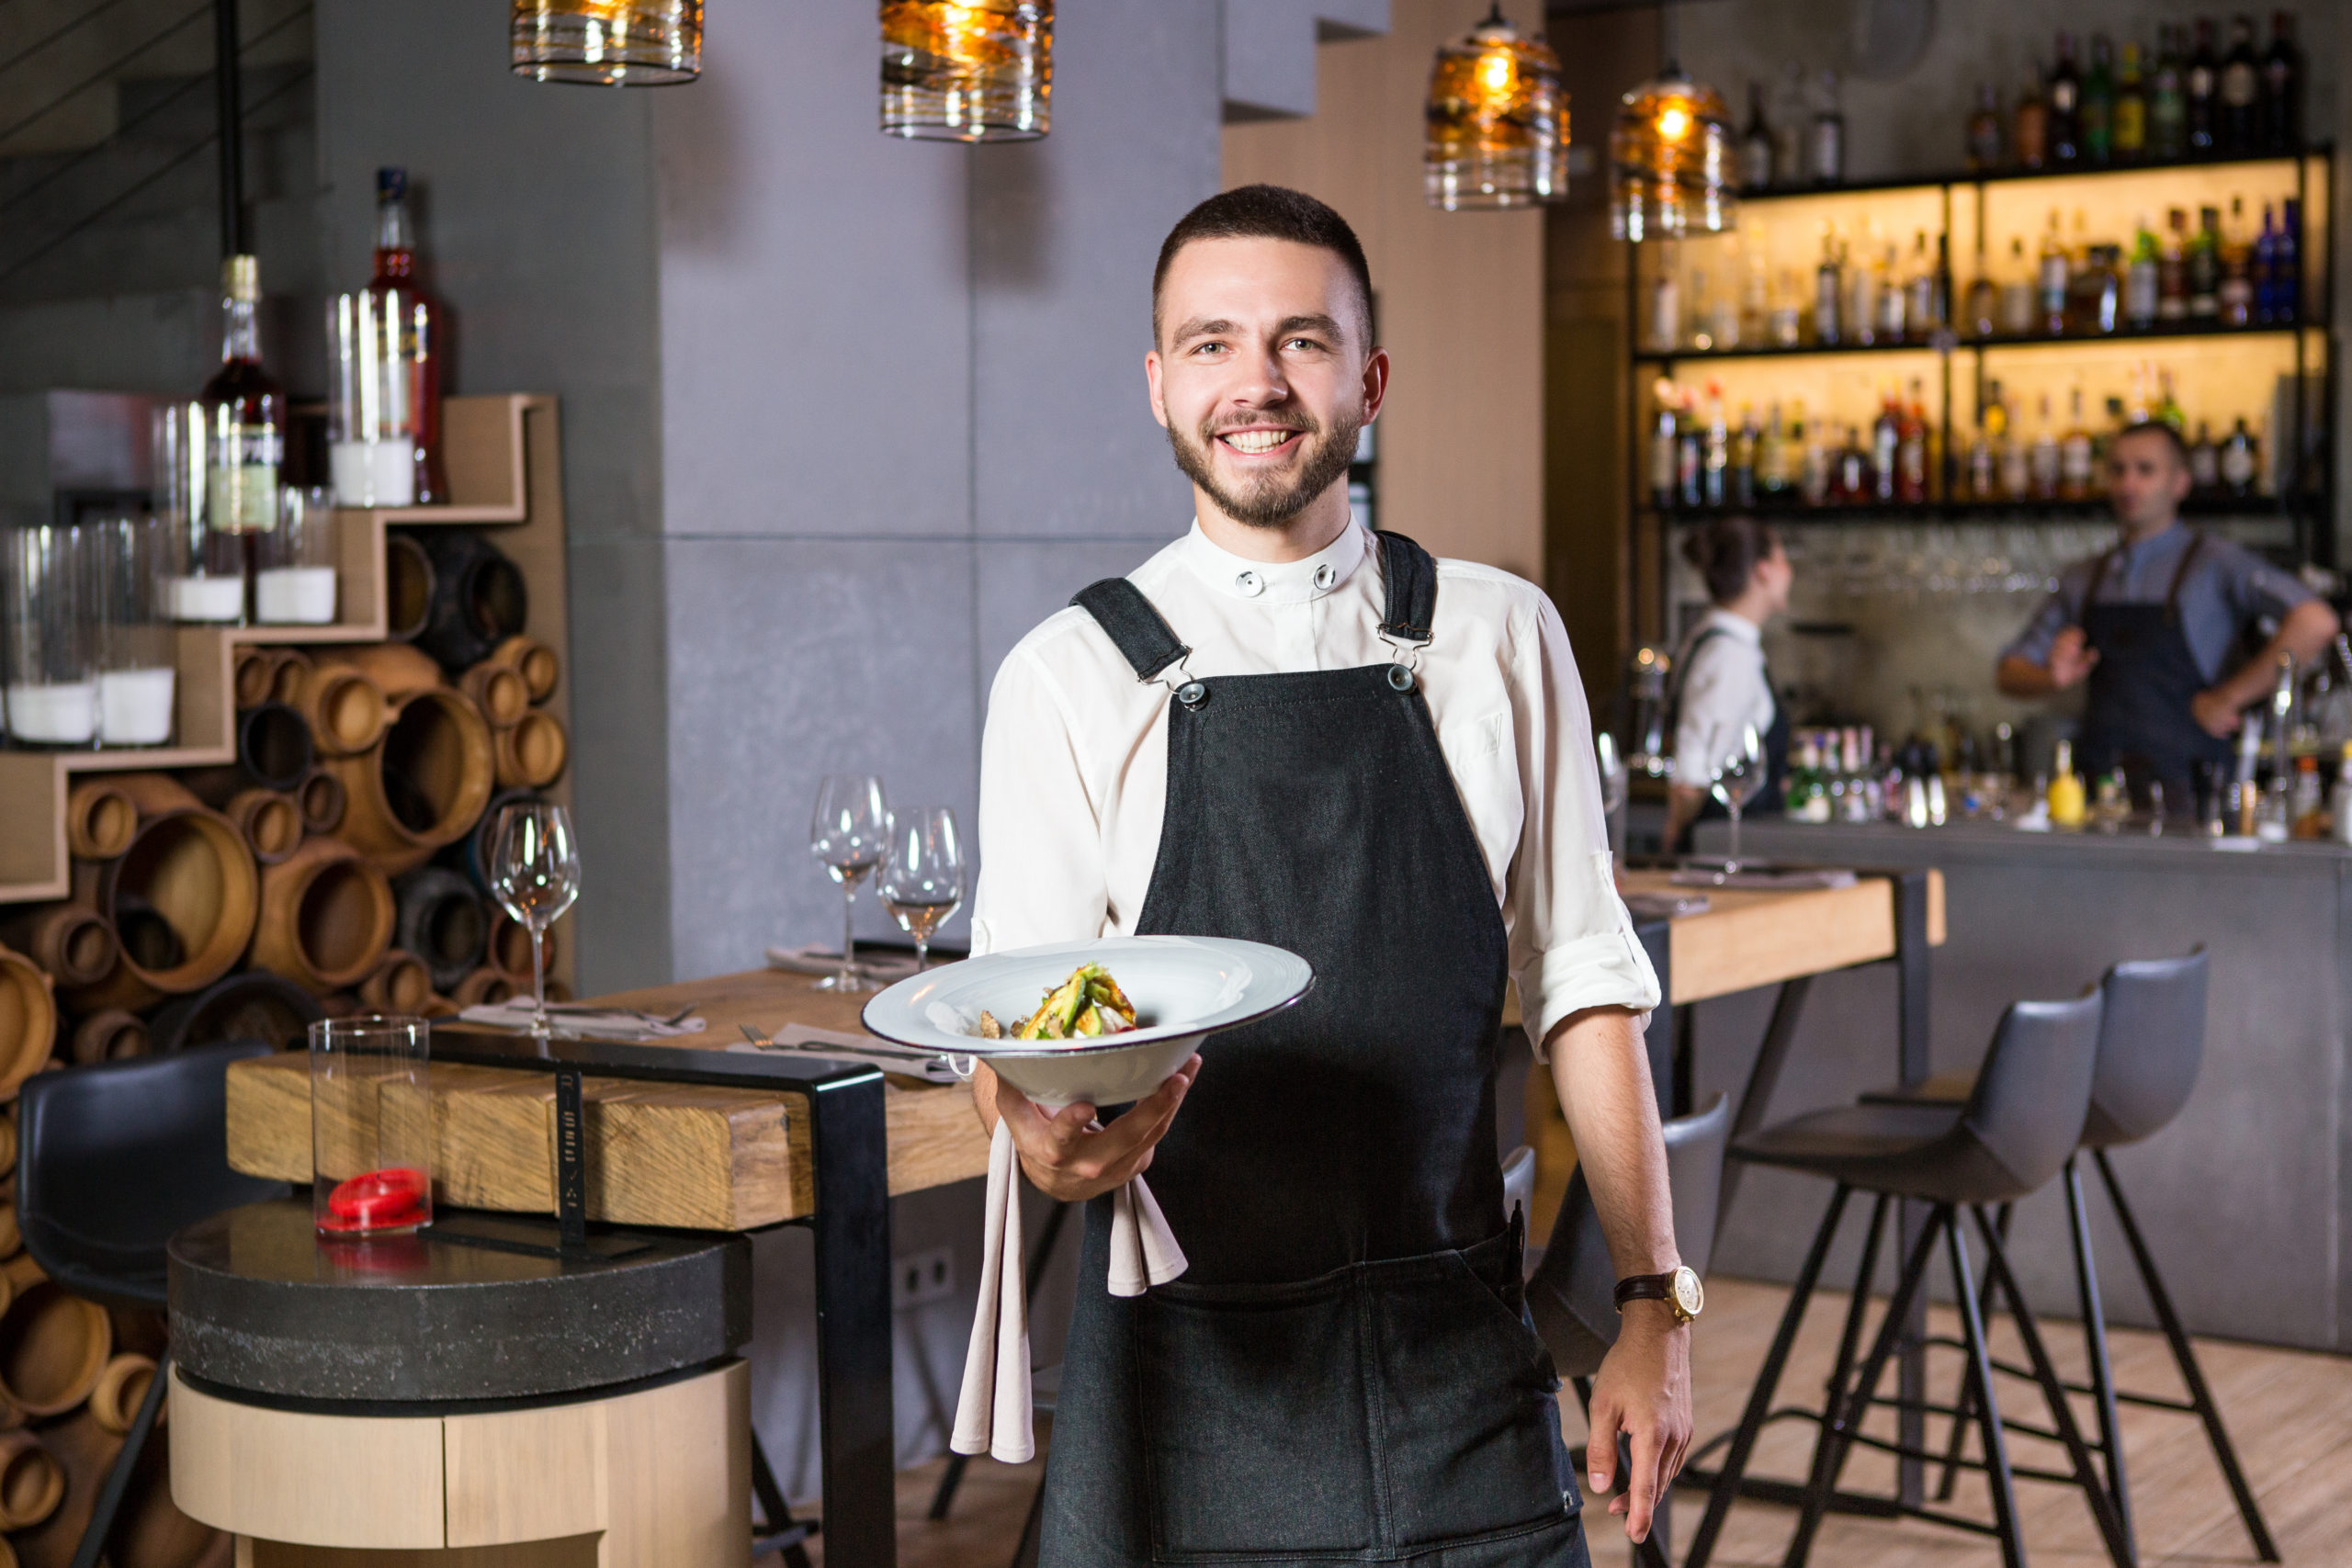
[
  {"x": 1572, "y": 944},
  {"x": 1042, "y": 875},
  {"x": 2041, "y": 634}
]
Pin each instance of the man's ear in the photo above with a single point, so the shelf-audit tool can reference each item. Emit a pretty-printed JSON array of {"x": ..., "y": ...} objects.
[{"x": 1151, "y": 378}]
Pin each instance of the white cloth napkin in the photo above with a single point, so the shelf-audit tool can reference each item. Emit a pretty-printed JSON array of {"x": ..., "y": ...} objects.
[
  {"x": 993, "y": 1412},
  {"x": 616, "y": 1024},
  {"x": 880, "y": 965}
]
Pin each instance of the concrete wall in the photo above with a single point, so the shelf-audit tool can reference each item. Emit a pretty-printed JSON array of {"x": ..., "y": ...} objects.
[
  {"x": 535, "y": 208},
  {"x": 903, "y": 419}
]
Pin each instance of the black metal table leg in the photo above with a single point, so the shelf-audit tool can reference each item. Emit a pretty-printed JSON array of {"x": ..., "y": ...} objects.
[
  {"x": 1911, "y": 953},
  {"x": 851, "y": 1227},
  {"x": 117, "y": 1478}
]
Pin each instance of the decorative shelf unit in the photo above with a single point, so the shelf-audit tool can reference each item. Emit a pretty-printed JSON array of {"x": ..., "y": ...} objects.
[
  {"x": 504, "y": 455},
  {"x": 2294, "y": 361}
]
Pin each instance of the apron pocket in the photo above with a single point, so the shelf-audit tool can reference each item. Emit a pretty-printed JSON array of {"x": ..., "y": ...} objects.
[
  {"x": 1253, "y": 1419},
  {"x": 1470, "y": 1415}
]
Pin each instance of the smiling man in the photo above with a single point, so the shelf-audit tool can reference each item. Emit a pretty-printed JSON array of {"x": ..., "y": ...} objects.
[{"x": 1286, "y": 728}]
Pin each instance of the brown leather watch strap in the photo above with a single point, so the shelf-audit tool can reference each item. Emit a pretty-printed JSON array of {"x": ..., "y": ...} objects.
[{"x": 1646, "y": 1288}]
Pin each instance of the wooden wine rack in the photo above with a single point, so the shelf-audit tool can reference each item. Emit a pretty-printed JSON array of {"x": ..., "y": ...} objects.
[{"x": 504, "y": 455}]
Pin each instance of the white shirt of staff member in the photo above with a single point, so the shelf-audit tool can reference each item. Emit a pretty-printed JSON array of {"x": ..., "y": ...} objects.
[
  {"x": 1719, "y": 679},
  {"x": 1261, "y": 344}
]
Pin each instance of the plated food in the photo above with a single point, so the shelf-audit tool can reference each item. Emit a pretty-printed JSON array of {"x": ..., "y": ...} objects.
[{"x": 1087, "y": 1005}]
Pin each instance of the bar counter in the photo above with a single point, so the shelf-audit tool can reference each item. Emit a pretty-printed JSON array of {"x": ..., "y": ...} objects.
[{"x": 2246, "y": 1198}]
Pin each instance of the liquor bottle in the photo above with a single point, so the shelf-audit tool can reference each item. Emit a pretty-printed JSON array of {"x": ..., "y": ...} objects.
[
  {"x": 1886, "y": 449},
  {"x": 1701, "y": 317},
  {"x": 2201, "y": 82},
  {"x": 2204, "y": 462},
  {"x": 1756, "y": 146},
  {"x": 2168, "y": 100},
  {"x": 1911, "y": 450},
  {"x": 1828, "y": 136},
  {"x": 2240, "y": 460},
  {"x": 1812, "y": 456},
  {"x": 1853, "y": 484},
  {"x": 2065, "y": 106},
  {"x": 2168, "y": 408},
  {"x": 1985, "y": 131},
  {"x": 1859, "y": 317},
  {"x": 2142, "y": 281},
  {"x": 2098, "y": 103},
  {"x": 1993, "y": 482},
  {"x": 2282, "y": 79},
  {"x": 1689, "y": 456},
  {"x": 1981, "y": 311},
  {"x": 2094, "y": 293},
  {"x": 2131, "y": 119},
  {"x": 1740, "y": 490},
  {"x": 1828, "y": 293},
  {"x": 245, "y": 423},
  {"x": 1666, "y": 455},
  {"x": 2239, "y": 130},
  {"x": 2205, "y": 265},
  {"x": 2077, "y": 461},
  {"x": 1984, "y": 463},
  {"x": 1894, "y": 297},
  {"x": 2043, "y": 463},
  {"x": 2032, "y": 126},
  {"x": 2287, "y": 262},
  {"x": 1772, "y": 457},
  {"x": 422, "y": 327},
  {"x": 2266, "y": 268},
  {"x": 1788, "y": 310},
  {"x": 1666, "y": 302},
  {"x": 1715, "y": 481},
  {"x": 1925, "y": 312},
  {"x": 2052, "y": 279},
  {"x": 2014, "y": 457},
  {"x": 2235, "y": 295},
  {"x": 1755, "y": 296},
  {"x": 2018, "y": 293},
  {"x": 2172, "y": 269}
]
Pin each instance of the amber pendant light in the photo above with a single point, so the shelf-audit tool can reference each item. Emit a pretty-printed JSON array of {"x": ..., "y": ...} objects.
[
  {"x": 1672, "y": 167},
  {"x": 1497, "y": 131},
  {"x": 967, "y": 70},
  {"x": 610, "y": 43}
]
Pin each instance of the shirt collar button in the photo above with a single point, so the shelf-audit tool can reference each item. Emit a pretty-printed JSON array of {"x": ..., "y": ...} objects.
[
  {"x": 1250, "y": 584},
  {"x": 1324, "y": 575}
]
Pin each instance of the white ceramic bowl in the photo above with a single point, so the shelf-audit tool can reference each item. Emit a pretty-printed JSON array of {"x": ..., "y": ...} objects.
[{"x": 1184, "y": 988}]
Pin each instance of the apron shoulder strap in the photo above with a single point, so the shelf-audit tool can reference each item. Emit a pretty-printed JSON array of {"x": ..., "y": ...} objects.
[
  {"x": 1145, "y": 639},
  {"x": 1410, "y": 574},
  {"x": 2180, "y": 574}
]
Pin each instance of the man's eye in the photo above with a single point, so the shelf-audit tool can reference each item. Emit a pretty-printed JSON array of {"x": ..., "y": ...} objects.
[
  {"x": 1209, "y": 348},
  {"x": 1306, "y": 342}
]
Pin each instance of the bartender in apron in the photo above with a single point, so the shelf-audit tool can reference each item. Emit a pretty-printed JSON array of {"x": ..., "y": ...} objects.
[
  {"x": 2156, "y": 625},
  {"x": 1720, "y": 685},
  {"x": 1287, "y": 729}
]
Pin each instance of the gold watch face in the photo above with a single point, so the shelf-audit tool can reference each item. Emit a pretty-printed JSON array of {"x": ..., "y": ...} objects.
[{"x": 1688, "y": 1296}]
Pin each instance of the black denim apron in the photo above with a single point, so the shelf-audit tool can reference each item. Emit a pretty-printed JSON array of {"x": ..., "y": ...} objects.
[
  {"x": 1347, "y": 1371},
  {"x": 2138, "y": 712}
]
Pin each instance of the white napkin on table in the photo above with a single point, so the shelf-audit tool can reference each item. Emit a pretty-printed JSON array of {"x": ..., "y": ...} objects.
[
  {"x": 580, "y": 1022},
  {"x": 993, "y": 1412}
]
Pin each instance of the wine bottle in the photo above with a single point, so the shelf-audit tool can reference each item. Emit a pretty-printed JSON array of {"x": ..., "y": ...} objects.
[
  {"x": 1829, "y": 135},
  {"x": 2167, "y": 100},
  {"x": 245, "y": 423},
  {"x": 2240, "y": 460},
  {"x": 2282, "y": 79},
  {"x": 2202, "y": 83},
  {"x": 2143, "y": 280},
  {"x": 2098, "y": 103},
  {"x": 2205, "y": 265},
  {"x": 423, "y": 328},
  {"x": 2065, "y": 106},
  {"x": 1981, "y": 313},
  {"x": 2172, "y": 269},
  {"x": 2053, "y": 278},
  {"x": 1756, "y": 145},
  {"x": 2131, "y": 115},
  {"x": 1828, "y": 293},
  {"x": 2018, "y": 293},
  {"x": 2032, "y": 126},
  {"x": 1985, "y": 131},
  {"x": 2239, "y": 131}
]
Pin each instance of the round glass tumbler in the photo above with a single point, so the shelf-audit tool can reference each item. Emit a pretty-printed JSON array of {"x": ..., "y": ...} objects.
[{"x": 371, "y": 1126}]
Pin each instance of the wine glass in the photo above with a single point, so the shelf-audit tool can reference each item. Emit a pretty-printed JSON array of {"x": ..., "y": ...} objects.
[
  {"x": 922, "y": 881},
  {"x": 848, "y": 834},
  {"x": 535, "y": 871},
  {"x": 1738, "y": 778}
]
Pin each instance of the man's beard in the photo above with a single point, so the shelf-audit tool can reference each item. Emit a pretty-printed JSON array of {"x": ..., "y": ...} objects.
[{"x": 1273, "y": 500}]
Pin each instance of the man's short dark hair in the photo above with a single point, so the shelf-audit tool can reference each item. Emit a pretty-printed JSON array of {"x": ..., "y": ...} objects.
[
  {"x": 2161, "y": 428},
  {"x": 1266, "y": 212}
]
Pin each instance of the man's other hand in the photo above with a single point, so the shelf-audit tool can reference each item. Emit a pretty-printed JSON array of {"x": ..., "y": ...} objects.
[
  {"x": 1644, "y": 1392},
  {"x": 2215, "y": 711},
  {"x": 2071, "y": 657},
  {"x": 1065, "y": 1156}
]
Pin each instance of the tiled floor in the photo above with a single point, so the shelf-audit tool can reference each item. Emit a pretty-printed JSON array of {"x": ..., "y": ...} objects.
[{"x": 2291, "y": 1412}]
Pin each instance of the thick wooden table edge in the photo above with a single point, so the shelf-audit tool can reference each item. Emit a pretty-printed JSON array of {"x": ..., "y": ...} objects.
[{"x": 1748, "y": 939}]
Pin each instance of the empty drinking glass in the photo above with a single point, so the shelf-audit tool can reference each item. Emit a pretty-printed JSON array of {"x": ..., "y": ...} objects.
[
  {"x": 848, "y": 834},
  {"x": 535, "y": 871},
  {"x": 1738, "y": 778},
  {"x": 922, "y": 880}
]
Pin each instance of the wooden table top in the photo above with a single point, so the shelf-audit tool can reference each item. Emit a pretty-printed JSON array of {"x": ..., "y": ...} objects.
[{"x": 710, "y": 1158}]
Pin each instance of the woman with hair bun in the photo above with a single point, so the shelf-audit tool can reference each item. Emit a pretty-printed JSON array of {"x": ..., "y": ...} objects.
[{"x": 1720, "y": 683}]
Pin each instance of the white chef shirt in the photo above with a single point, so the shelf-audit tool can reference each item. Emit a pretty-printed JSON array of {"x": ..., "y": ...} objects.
[
  {"x": 1074, "y": 758},
  {"x": 1722, "y": 688}
]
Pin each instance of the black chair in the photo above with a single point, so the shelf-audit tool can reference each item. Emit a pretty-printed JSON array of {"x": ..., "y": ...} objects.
[
  {"x": 2152, "y": 1040},
  {"x": 1571, "y": 1286},
  {"x": 111, "y": 1160},
  {"x": 2014, "y": 1133}
]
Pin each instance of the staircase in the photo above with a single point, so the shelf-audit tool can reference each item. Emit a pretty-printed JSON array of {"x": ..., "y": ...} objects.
[{"x": 111, "y": 233}]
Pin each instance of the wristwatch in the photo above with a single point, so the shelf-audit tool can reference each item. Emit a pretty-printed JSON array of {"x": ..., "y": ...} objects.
[{"x": 1678, "y": 1287}]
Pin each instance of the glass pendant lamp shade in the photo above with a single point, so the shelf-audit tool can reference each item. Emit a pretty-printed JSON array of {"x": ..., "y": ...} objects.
[
  {"x": 967, "y": 70},
  {"x": 1497, "y": 132},
  {"x": 611, "y": 44},
  {"x": 1672, "y": 167}
]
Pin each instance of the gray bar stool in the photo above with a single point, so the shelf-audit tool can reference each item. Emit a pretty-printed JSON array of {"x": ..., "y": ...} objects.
[
  {"x": 2151, "y": 1042},
  {"x": 2014, "y": 1133}
]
